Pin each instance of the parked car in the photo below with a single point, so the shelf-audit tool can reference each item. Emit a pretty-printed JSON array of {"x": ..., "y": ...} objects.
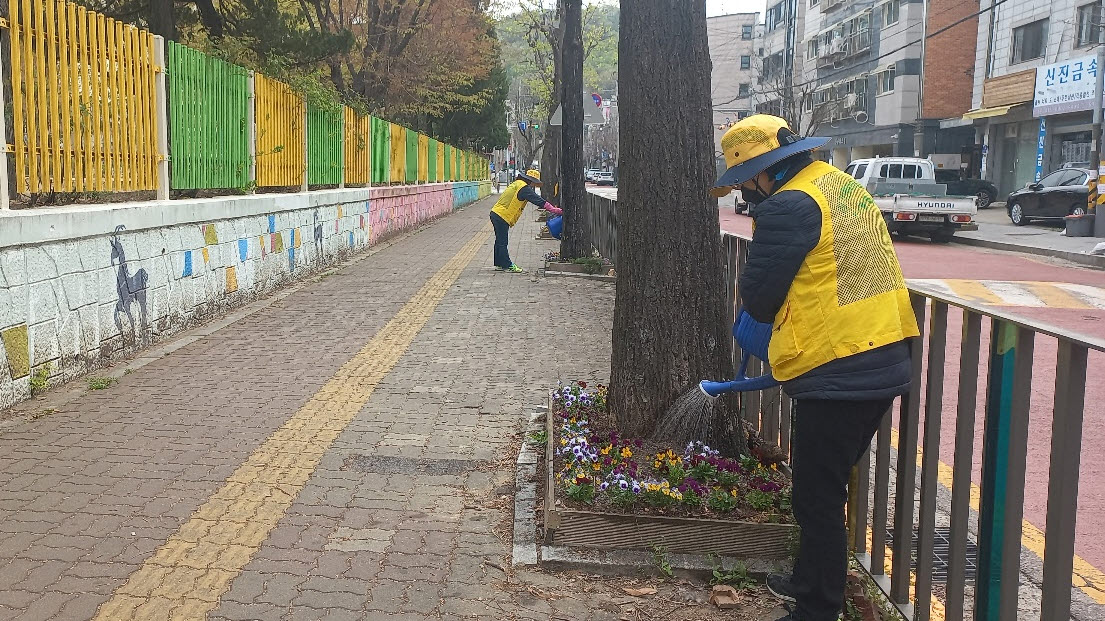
[
  {"x": 984, "y": 190},
  {"x": 1060, "y": 194},
  {"x": 589, "y": 174},
  {"x": 604, "y": 178}
]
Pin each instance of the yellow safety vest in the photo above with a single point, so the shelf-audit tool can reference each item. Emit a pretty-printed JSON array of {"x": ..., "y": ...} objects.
[
  {"x": 849, "y": 295},
  {"x": 509, "y": 206}
]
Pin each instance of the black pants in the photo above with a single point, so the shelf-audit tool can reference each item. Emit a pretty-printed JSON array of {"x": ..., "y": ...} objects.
[
  {"x": 502, "y": 230},
  {"x": 829, "y": 439}
]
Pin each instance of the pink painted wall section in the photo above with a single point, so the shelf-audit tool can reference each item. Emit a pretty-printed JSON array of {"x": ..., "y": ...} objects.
[{"x": 396, "y": 209}]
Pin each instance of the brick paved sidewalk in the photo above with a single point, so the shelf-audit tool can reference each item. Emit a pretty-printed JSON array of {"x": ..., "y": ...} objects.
[{"x": 342, "y": 453}]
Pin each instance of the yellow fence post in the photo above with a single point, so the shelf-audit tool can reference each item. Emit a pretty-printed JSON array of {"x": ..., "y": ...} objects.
[
  {"x": 5, "y": 200},
  {"x": 161, "y": 112}
]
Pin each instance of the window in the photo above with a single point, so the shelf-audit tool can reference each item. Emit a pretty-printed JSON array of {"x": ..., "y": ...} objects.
[
  {"x": 814, "y": 2},
  {"x": 1054, "y": 179},
  {"x": 811, "y": 48},
  {"x": 856, "y": 171},
  {"x": 911, "y": 171},
  {"x": 1029, "y": 41},
  {"x": 776, "y": 16},
  {"x": 1078, "y": 179},
  {"x": 746, "y": 32},
  {"x": 895, "y": 171},
  {"x": 743, "y": 114},
  {"x": 890, "y": 12},
  {"x": 1089, "y": 24},
  {"x": 885, "y": 81},
  {"x": 746, "y": 62},
  {"x": 744, "y": 90}
]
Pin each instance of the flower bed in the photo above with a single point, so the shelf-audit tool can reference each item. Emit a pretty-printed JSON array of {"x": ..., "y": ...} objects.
[{"x": 636, "y": 494}]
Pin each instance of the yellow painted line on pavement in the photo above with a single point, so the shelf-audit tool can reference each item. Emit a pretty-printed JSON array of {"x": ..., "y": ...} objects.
[
  {"x": 1055, "y": 297},
  {"x": 186, "y": 576},
  {"x": 974, "y": 291},
  {"x": 1085, "y": 577}
]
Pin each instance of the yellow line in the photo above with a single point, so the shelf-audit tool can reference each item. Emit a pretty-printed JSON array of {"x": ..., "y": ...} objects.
[
  {"x": 186, "y": 576},
  {"x": 1085, "y": 576},
  {"x": 974, "y": 291},
  {"x": 1053, "y": 296}
]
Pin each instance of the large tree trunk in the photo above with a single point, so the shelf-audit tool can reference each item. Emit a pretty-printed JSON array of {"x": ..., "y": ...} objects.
[
  {"x": 550, "y": 165},
  {"x": 670, "y": 318},
  {"x": 576, "y": 241},
  {"x": 162, "y": 20}
]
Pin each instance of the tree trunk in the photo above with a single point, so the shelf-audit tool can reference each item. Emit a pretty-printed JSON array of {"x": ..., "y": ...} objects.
[
  {"x": 162, "y": 20},
  {"x": 550, "y": 165},
  {"x": 576, "y": 241},
  {"x": 671, "y": 326}
]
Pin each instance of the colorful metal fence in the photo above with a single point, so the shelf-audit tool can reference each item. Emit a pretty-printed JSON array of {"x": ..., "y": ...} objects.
[
  {"x": 325, "y": 128},
  {"x": 208, "y": 121},
  {"x": 412, "y": 156},
  {"x": 280, "y": 133},
  {"x": 83, "y": 100},
  {"x": 358, "y": 148},
  {"x": 398, "y": 154},
  {"x": 101, "y": 106}
]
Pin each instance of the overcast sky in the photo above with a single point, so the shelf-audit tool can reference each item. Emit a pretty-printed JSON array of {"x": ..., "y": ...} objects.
[{"x": 725, "y": 7}]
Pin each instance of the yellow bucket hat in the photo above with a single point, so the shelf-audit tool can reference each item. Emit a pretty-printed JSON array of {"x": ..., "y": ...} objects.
[
  {"x": 532, "y": 175},
  {"x": 755, "y": 143}
]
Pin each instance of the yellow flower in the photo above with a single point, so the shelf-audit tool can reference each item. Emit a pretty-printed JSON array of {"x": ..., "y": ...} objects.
[
  {"x": 626, "y": 453},
  {"x": 733, "y": 493},
  {"x": 606, "y": 451},
  {"x": 774, "y": 467},
  {"x": 563, "y": 442},
  {"x": 595, "y": 467}
]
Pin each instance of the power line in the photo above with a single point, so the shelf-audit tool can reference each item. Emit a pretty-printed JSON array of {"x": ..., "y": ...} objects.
[{"x": 893, "y": 51}]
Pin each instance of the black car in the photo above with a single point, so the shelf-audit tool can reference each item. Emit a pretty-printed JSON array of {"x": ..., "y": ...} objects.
[
  {"x": 1060, "y": 194},
  {"x": 984, "y": 190}
]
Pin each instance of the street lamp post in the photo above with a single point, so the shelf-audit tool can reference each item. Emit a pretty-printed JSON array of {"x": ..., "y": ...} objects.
[{"x": 1096, "y": 196}]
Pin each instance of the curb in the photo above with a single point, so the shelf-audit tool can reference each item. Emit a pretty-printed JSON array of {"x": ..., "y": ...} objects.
[
  {"x": 1088, "y": 260},
  {"x": 634, "y": 562},
  {"x": 524, "y": 552}
]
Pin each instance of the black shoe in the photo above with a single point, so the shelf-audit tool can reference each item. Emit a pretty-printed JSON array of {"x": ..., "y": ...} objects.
[{"x": 781, "y": 587}]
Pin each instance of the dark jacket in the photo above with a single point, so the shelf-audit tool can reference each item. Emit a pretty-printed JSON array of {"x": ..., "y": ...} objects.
[{"x": 788, "y": 227}]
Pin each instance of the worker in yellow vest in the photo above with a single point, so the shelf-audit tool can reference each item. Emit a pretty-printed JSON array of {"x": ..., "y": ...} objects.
[
  {"x": 821, "y": 268},
  {"x": 508, "y": 209}
]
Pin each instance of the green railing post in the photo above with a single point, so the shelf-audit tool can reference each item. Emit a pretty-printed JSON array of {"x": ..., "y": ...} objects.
[{"x": 1004, "y": 449}]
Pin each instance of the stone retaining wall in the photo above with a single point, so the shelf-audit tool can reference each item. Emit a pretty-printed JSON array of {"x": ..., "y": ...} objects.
[{"x": 81, "y": 286}]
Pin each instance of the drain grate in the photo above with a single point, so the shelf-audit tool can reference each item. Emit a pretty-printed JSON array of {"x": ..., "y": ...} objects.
[
  {"x": 386, "y": 464},
  {"x": 941, "y": 554}
]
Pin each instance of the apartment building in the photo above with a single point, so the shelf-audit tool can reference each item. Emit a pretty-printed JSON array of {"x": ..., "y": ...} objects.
[
  {"x": 780, "y": 60},
  {"x": 733, "y": 44},
  {"x": 1034, "y": 85}
]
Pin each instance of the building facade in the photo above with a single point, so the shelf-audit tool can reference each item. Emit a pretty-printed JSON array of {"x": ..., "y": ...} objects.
[
  {"x": 1034, "y": 80},
  {"x": 733, "y": 44}
]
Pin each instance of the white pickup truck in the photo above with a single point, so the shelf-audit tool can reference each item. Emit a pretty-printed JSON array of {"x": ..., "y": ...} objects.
[{"x": 910, "y": 199}]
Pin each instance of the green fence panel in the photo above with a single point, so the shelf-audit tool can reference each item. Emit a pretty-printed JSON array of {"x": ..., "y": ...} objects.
[
  {"x": 431, "y": 160},
  {"x": 208, "y": 137},
  {"x": 448, "y": 163},
  {"x": 381, "y": 150},
  {"x": 325, "y": 134},
  {"x": 412, "y": 156}
]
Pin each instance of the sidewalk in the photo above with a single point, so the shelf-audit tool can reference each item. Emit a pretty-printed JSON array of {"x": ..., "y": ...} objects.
[
  {"x": 997, "y": 232},
  {"x": 344, "y": 452}
]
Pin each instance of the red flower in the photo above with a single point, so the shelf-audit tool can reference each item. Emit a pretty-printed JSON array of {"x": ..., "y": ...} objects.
[{"x": 583, "y": 385}]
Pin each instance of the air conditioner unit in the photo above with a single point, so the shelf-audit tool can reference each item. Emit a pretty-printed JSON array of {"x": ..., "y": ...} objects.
[
  {"x": 850, "y": 101},
  {"x": 838, "y": 46}
]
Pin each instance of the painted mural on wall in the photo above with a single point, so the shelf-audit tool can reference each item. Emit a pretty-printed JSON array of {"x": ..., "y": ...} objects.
[
  {"x": 131, "y": 289},
  {"x": 70, "y": 305}
]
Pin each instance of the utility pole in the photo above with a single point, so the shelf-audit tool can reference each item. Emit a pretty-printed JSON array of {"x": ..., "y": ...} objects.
[{"x": 1095, "y": 157}]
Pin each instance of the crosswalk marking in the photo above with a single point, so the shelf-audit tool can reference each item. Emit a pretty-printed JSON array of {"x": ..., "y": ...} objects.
[{"x": 1030, "y": 294}]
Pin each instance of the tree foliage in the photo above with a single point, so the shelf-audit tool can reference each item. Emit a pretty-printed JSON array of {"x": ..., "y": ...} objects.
[{"x": 433, "y": 65}]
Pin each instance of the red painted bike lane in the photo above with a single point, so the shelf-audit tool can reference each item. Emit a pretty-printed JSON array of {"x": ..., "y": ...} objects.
[{"x": 924, "y": 260}]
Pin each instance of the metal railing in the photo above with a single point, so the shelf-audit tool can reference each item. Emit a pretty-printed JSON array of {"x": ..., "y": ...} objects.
[{"x": 891, "y": 535}]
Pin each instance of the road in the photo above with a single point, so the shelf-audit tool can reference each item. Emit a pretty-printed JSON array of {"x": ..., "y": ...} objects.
[{"x": 1059, "y": 293}]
